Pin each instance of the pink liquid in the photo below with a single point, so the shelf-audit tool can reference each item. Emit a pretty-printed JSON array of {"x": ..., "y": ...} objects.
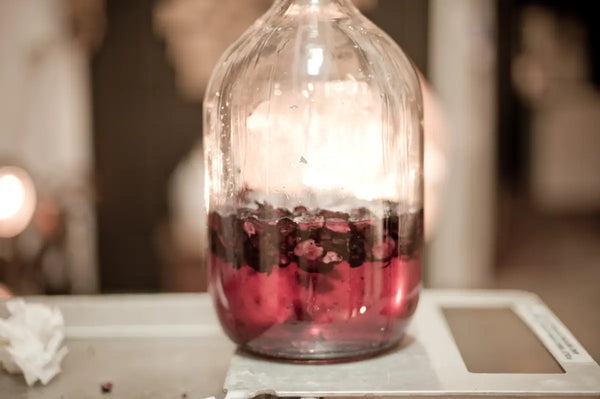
[{"x": 322, "y": 290}]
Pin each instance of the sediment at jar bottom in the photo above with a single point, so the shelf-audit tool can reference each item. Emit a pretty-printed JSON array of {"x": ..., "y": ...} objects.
[{"x": 328, "y": 285}]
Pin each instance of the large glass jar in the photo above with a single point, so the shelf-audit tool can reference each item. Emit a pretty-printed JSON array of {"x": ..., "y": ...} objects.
[{"x": 314, "y": 183}]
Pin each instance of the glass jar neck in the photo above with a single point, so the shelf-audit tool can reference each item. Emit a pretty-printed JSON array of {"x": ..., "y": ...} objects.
[{"x": 313, "y": 3}]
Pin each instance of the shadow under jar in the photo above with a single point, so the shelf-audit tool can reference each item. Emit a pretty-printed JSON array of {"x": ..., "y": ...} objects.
[{"x": 314, "y": 183}]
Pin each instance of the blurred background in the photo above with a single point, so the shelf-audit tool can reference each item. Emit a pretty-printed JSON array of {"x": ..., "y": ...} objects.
[{"x": 101, "y": 152}]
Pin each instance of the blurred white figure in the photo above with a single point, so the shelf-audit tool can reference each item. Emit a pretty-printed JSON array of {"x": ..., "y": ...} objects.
[
  {"x": 552, "y": 75},
  {"x": 45, "y": 113}
]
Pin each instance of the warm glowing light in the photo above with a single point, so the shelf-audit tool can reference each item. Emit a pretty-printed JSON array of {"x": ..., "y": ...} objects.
[
  {"x": 315, "y": 61},
  {"x": 17, "y": 201},
  {"x": 12, "y": 194},
  {"x": 332, "y": 136},
  {"x": 398, "y": 297}
]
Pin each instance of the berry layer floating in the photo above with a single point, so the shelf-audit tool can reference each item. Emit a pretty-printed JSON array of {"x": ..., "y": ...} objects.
[{"x": 316, "y": 282}]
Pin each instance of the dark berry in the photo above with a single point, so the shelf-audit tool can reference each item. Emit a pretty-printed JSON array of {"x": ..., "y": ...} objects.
[
  {"x": 310, "y": 225},
  {"x": 286, "y": 226},
  {"x": 106, "y": 387},
  {"x": 339, "y": 226},
  {"x": 363, "y": 228},
  {"x": 282, "y": 212},
  {"x": 333, "y": 214},
  {"x": 264, "y": 211},
  {"x": 391, "y": 225},
  {"x": 356, "y": 251},
  {"x": 331, "y": 257},
  {"x": 308, "y": 249},
  {"x": 300, "y": 210},
  {"x": 284, "y": 260},
  {"x": 361, "y": 214},
  {"x": 252, "y": 226},
  {"x": 251, "y": 255},
  {"x": 324, "y": 268}
]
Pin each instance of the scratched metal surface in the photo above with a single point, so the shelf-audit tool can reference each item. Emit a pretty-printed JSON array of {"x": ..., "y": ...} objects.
[
  {"x": 149, "y": 346},
  {"x": 171, "y": 346}
]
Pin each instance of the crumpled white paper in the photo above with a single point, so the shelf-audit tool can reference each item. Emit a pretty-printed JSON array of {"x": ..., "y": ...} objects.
[{"x": 30, "y": 341}]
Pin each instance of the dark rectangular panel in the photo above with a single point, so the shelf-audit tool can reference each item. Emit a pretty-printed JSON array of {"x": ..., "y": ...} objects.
[{"x": 496, "y": 340}]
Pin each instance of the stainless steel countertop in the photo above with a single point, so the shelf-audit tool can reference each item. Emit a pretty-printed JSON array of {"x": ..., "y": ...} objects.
[
  {"x": 171, "y": 346},
  {"x": 148, "y": 346}
]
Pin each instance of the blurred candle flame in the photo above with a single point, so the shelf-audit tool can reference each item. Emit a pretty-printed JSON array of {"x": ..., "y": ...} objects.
[
  {"x": 12, "y": 195},
  {"x": 17, "y": 201}
]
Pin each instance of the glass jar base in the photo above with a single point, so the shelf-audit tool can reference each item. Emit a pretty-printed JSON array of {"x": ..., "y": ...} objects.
[{"x": 315, "y": 351}]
